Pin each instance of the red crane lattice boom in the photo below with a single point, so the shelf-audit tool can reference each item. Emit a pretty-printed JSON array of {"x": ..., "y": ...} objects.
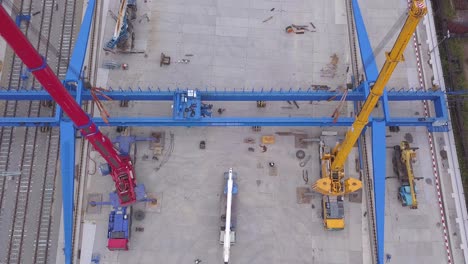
[{"x": 121, "y": 166}]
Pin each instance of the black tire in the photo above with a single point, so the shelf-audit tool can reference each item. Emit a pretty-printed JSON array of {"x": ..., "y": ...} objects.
[
  {"x": 139, "y": 215},
  {"x": 300, "y": 154}
]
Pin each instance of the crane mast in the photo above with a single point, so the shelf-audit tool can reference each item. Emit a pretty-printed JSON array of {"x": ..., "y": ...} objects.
[
  {"x": 330, "y": 184},
  {"x": 121, "y": 166}
]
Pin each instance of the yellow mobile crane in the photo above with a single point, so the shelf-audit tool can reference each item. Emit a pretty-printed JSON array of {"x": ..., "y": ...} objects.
[{"x": 332, "y": 174}]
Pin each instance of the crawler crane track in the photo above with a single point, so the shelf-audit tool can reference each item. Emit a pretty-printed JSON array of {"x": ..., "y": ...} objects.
[{"x": 27, "y": 199}]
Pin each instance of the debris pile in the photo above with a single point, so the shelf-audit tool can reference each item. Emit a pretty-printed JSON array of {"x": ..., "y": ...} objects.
[
  {"x": 299, "y": 29},
  {"x": 330, "y": 69}
]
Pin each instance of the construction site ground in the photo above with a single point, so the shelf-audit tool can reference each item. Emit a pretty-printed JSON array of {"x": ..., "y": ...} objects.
[{"x": 233, "y": 48}]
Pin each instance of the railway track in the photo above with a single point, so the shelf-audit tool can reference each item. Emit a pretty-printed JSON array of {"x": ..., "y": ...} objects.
[
  {"x": 27, "y": 200},
  {"x": 352, "y": 41},
  {"x": 368, "y": 183},
  {"x": 23, "y": 188},
  {"x": 65, "y": 47}
]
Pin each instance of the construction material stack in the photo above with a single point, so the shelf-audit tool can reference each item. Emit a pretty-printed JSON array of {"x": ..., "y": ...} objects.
[{"x": 403, "y": 158}]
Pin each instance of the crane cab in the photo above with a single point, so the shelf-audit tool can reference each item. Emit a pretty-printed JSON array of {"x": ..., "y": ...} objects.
[
  {"x": 333, "y": 212},
  {"x": 404, "y": 195},
  {"x": 118, "y": 230}
]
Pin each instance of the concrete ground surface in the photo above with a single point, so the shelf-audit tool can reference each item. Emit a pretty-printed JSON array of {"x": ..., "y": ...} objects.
[
  {"x": 233, "y": 48},
  {"x": 413, "y": 235},
  {"x": 271, "y": 226}
]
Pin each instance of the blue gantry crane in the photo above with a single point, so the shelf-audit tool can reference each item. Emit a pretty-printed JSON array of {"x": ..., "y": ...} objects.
[
  {"x": 435, "y": 123},
  {"x": 199, "y": 113}
]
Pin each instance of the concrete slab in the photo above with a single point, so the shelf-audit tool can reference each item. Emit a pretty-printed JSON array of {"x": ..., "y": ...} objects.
[{"x": 187, "y": 226}]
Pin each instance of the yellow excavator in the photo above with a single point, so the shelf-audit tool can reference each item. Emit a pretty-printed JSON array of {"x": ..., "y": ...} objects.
[{"x": 332, "y": 182}]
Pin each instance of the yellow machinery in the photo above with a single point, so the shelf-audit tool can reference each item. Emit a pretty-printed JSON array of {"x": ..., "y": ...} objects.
[
  {"x": 332, "y": 206},
  {"x": 333, "y": 212},
  {"x": 331, "y": 182},
  {"x": 403, "y": 158}
]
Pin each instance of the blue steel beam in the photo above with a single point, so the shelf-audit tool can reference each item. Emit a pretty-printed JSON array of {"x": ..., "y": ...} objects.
[
  {"x": 29, "y": 121},
  {"x": 367, "y": 56},
  {"x": 224, "y": 121},
  {"x": 67, "y": 130},
  {"x": 74, "y": 72},
  {"x": 434, "y": 124},
  {"x": 368, "y": 59},
  {"x": 379, "y": 152},
  {"x": 67, "y": 168},
  {"x": 255, "y": 121},
  {"x": 437, "y": 97},
  {"x": 378, "y": 131},
  {"x": 275, "y": 95},
  {"x": 385, "y": 107}
]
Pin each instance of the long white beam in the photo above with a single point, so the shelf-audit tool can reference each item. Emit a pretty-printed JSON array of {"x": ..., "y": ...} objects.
[{"x": 227, "y": 230}]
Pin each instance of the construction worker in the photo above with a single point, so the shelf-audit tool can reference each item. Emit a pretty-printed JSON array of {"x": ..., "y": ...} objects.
[{"x": 388, "y": 258}]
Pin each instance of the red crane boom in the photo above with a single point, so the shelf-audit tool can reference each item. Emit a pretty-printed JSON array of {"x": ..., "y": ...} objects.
[{"x": 121, "y": 166}]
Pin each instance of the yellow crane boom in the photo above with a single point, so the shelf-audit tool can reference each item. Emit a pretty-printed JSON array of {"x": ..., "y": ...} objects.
[{"x": 331, "y": 185}]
